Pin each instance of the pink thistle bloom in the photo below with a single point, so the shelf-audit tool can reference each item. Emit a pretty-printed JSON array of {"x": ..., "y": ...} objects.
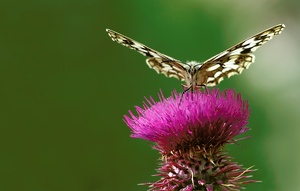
[{"x": 190, "y": 133}]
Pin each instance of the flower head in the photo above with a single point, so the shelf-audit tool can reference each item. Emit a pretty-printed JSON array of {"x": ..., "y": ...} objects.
[
  {"x": 190, "y": 132},
  {"x": 208, "y": 118}
]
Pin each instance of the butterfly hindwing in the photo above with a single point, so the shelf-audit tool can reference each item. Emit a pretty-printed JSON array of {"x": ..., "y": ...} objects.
[{"x": 167, "y": 67}]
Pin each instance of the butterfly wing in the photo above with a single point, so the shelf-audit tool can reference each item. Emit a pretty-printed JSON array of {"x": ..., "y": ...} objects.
[
  {"x": 159, "y": 62},
  {"x": 235, "y": 59}
]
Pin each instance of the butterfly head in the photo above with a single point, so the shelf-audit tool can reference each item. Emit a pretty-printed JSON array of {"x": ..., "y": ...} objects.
[{"x": 192, "y": 71}]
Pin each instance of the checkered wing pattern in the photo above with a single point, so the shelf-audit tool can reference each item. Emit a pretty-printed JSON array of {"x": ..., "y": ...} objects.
[
  {"x": 159, "y": 62},
  {"x": 235, "y": 59},
  {"x": 211, "y": 72}
]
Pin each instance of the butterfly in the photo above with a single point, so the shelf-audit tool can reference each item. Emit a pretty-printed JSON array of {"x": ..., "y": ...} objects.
[{"x": 209, "y": 73}]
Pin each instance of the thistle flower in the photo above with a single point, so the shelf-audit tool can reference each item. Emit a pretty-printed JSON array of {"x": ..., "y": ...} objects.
[{"x": 190, "y": 133}]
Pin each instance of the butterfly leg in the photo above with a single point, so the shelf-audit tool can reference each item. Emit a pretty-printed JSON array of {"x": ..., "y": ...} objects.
[
  {"x": 202, "y": 86},
  {"x": 185, "y": 89}
]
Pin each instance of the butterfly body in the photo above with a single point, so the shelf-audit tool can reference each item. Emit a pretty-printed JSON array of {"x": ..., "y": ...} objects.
[
  {"x": 209, "y": 73},
  {"x": 193, "y": 79}
]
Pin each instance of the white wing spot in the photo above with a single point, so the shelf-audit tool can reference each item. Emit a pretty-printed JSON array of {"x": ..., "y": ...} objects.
[
  {"x": 240, "y": 70},
  {"x": 220, "y": 79},
  {"x": 237, "y": 51},
  {"x": 249, "y": 41},
  {"x": 230, "y": 66},
  {"x": 247, "y": 64},
  {"x": 217, "y": 74},
  {"x": 226, "y": 70},
  {"x": 231, "y": 74},
  {"x": 166, "y": 67},
  {"x": 254, "y": 48},
  {"x": 212, "y": 68},
  {"x": 210, "y": 79},
  {"x": 251, "y": 45}
]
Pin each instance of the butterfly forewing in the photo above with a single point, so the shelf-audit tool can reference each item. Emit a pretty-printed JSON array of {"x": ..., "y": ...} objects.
[
  {"x": 161, "y": 63},
  {"x": 235, "y": 59}
]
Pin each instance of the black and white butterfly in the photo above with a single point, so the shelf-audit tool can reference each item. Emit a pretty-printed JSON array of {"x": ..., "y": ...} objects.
[{"x": 209, "y": 73}]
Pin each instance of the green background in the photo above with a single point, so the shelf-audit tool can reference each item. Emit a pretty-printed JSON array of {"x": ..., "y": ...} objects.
[{"x": 65, "y": 86}]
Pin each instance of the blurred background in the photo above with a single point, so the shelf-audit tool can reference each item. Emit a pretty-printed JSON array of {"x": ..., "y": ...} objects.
[{"x": 65, "y": 86}]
